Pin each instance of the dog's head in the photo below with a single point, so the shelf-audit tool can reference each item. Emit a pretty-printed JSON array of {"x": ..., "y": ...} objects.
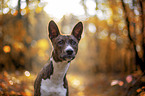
[{"x": 65, "y": 47}]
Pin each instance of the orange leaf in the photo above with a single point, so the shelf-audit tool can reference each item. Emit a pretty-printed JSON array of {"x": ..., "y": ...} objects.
[{"x": 138, "y": 90}]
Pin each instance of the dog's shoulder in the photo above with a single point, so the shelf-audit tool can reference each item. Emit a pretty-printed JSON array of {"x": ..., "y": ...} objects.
[
  {"x": 47, "y": 70},
  {"x": 45, "y": 73}
]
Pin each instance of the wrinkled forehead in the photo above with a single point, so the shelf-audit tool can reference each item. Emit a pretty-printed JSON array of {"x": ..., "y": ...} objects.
[{"x": 65, "y": 38}]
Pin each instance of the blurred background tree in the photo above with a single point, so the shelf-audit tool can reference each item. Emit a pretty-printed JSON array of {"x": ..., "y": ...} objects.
[{"x": 113, "y": 40}]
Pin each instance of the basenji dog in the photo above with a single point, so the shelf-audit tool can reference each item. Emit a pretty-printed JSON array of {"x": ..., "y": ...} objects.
[{"x": 51, "y": 80}]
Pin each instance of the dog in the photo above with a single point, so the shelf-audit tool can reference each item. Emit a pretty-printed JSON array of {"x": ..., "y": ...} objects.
[{"x": 51, "y": 80}]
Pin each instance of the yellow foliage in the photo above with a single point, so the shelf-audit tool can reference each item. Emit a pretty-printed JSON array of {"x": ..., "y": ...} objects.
[
  {"x": 27, "y": 10},
  {"x": 38, "y": 9},
  {"x": 81, "y": 94},
  {"x": 43, "y": 44},
  {"x": 41, "y": 53},
  {"x": 18, "y": 46}
]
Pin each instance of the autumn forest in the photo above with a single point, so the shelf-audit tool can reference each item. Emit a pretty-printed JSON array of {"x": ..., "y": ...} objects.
[{"x": 111, "y": 55}]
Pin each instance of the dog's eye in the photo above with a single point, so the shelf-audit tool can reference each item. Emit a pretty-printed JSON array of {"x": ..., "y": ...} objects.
[
  {"x": 60, "y": 42},
  {"x": 73, "y": 42}
]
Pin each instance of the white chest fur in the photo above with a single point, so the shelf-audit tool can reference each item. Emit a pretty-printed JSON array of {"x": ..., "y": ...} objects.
[
  {"x": 48, "y": 88},
  {"x": 54, "y": 85}
]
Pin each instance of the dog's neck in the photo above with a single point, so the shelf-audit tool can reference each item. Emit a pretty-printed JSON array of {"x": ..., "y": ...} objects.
[{"x": 59, "y": 71}]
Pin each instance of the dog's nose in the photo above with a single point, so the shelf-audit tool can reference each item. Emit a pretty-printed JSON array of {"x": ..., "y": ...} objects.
[{"x": 69, "y": 52}]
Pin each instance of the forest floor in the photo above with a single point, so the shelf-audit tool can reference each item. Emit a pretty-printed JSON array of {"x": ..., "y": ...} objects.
[{"x": 100, "y": 84}]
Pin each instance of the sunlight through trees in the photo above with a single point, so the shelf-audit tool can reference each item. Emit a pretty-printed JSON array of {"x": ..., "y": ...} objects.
[{"x": 111, "y": 57}]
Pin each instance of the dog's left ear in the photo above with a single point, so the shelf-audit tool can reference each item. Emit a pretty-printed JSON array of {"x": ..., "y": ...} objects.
[{"x": 77, "y": 30}]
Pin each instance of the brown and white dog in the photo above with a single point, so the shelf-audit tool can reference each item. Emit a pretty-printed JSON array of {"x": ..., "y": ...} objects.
[{"x": 51, "y": 80}]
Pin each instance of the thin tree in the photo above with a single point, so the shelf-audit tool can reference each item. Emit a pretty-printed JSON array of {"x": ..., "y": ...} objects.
[{"x": 139, "y": 60}]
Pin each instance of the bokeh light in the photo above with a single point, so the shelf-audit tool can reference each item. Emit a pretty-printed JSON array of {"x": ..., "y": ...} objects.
[
  {"x": 103, "y": 34},
  {"x": 129, "y": 79},
  {"x": 92, "y": 28},
  {"x": 11, "y": 82},
  {"x": 5, "y": 10},
  {"x": 138, "y": 48},
  {"x": 23, "y": 12},
  {"x": 76, "y": 81},
  {"x": 113, "y": 36},
  {"x": 57, "y": 9},
  {"x": 12, "y": 3},
  {"x": 7, "y": 49},
  {"x": 91, "y": 7},
  {"x": 27, "y": 73}
]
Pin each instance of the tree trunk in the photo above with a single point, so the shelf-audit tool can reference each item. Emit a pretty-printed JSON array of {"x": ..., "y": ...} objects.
[
  {"x": 19, "y": 9},
  {"x": 139, "y": 60}
]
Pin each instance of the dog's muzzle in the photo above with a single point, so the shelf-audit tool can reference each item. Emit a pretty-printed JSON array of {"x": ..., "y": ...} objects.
[{"x": 69, "y": 55}]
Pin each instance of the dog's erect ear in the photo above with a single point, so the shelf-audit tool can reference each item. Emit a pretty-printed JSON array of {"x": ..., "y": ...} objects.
[
  {"x": 53, "y": 30},
  {"x": 77, "y": 31}
]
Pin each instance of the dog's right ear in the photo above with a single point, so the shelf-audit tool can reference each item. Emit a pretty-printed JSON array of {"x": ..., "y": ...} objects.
[{"x": 53, "y": 30}]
